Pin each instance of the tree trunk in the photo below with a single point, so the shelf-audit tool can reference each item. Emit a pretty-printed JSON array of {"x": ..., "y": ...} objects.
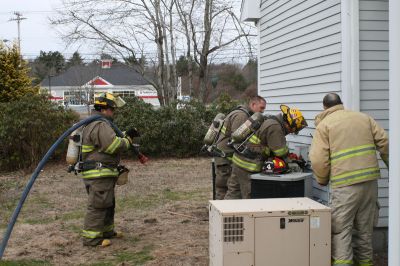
[{"x": 203, "y": 76}]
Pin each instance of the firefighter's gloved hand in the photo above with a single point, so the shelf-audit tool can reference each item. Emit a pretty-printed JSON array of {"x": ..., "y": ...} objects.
[
  {"x": 294, "y": 167},
  {"x": 132, "y": 133},
  {"x": 133, "y": 136}
]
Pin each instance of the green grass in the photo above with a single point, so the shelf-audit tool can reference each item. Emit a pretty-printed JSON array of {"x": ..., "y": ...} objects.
[
  {"x": 179, "y": 195},
  {"x": 74, "y": 228},
  {"x": 40, "y": 202},
  {"x": 136, "y": 258},
  {"x": 145, "y": 202},
  {"x": 138, "y": 202},
  {"x": 7, "y": 208},
  {"x": 24, "y": 263},
  {"x": 74, "y": 215},
  {"x": 45, "y": 220},
  {"x": 10, "y": 184},
  {"x": 132, "y": 258}
]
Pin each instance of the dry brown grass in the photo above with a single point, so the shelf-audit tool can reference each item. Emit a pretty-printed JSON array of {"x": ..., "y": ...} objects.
[{"x": 162, "y": 212}]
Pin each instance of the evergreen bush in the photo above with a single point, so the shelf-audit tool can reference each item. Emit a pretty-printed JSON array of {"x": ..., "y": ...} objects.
[
  {"x": 177, "y": 130},
  {"x": 28, "y": 128}
]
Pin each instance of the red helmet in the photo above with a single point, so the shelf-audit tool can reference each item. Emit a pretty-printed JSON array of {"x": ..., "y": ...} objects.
[{"x": 279, "y": 165}]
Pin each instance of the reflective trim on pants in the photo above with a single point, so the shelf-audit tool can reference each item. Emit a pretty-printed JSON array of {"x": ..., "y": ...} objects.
[
  {"x": 365, "y": 263},
  {"x": 91, "y": 234},
  {"x": 342, "y": 262}
]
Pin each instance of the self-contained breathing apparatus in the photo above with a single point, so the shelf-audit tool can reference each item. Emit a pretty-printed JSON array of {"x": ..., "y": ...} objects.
[
  {"x": 77, "y": 165},
  {"x": 241, "y": 136},
  {"x": 213, "y": 133}
]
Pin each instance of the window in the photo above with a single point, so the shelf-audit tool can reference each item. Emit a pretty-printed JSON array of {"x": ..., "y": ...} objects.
[
  {"x": 125, "y": 94},
  {"x": 77, "y": 97}
]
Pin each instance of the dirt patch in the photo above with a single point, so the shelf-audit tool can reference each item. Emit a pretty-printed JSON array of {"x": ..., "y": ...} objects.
[{"x": 162, "y": 212}]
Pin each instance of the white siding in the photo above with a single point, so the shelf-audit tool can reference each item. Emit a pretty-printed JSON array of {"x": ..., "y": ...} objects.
[
  {"x": 300, "y": 60},
  {"x": 374, "y": 77},
  {"x": 300, "y": 55}
]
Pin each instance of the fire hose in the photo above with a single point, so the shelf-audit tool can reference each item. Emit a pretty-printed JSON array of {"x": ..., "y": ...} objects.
[{"x": 42, "y": 163}]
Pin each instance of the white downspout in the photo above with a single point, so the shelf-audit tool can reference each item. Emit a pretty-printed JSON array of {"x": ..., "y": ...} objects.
[
  {"x": 350, "y": 81},
  {"x": 394, "y": 132}
]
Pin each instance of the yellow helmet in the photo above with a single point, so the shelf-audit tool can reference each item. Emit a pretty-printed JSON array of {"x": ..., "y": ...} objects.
[
  {"x": 108, "y": 100},
  {"x": 294, "y": 118}
]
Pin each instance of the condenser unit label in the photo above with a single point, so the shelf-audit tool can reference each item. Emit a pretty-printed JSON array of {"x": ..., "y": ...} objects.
[
  {"x": 296, "y": 220},
  {"x": 315, "y": 222}
]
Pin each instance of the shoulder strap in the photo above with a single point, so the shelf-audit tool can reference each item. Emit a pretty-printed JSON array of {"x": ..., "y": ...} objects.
[
  {"x": 276, "y": 119},
  {"x": 241, "y": 108}
]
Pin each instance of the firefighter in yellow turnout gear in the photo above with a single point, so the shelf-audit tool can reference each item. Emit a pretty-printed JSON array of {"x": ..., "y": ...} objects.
[
  {"x": 101, "y": 150},
  {"x": 268, "y": 141},
  {"x": 232, "y": 121},
  {"x": 343, "y": 152}
]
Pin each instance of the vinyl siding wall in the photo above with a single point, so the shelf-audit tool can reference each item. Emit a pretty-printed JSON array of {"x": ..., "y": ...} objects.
[
  {"x": 300, "y": 60},
  {"x": 374, "y": 78}
]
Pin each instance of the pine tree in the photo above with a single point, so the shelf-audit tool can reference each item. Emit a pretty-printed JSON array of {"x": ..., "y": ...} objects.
[
  {"x": 75, "y": 60},
  {"x": 14, "y": 79}
]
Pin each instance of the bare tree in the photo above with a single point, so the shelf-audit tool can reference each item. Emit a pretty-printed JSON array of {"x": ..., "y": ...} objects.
[
  {"x": 213, "y": 35},
  {"x": 122, "y": 25},
  {"x": 133, "y": 28}
]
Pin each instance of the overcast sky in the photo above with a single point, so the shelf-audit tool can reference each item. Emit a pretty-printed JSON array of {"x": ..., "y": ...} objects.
[{"x": 36, "y": 32}]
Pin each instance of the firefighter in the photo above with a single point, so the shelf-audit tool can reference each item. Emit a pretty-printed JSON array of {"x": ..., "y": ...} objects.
[
  {"x": 101, "y": 150},
  {"x": 232, "y": 121},
  {"x": 343, "y": 152},
  {"x": 268, "y": 141}
]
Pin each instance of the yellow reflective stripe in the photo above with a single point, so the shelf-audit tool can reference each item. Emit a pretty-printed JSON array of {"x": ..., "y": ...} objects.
[
  {"x": 340, "y": 153},
  {"x": 266, "y": 151},
  {"x": 91, "y": 234},
  {"x": 353, "y": 152},
  {"x": 223, "y": 130},
  {"x": 252, "y": 167},
  {"x": 342, "y": 262},
  {"x": 127, "y": 143},
  {"x": 355, "y": 176},
  {"x": 109, "y": 228},
  {"x": 354, "y": 155},
  {"x": 103, "y": 172},
  {"x": 255, "y": 140},
  {"x": 365, "y": 263},
  {"x": 113, "y": 146},
  {"x": 281, "y": 152},
  {"x": 87, "y": 148}
]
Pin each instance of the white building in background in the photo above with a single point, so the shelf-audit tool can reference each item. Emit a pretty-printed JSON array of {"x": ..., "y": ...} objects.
[
  {"x": 79, "y": 84},
  {"x": 309, "y": 48}
]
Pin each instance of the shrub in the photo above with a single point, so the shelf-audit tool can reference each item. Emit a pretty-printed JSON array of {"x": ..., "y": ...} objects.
[
  {"x": 167, "y": 131},
  {"x": 28, "y": 128}
]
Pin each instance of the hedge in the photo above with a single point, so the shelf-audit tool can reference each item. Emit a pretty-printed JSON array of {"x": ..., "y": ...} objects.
[
  {"x": 177, "y": 130},
  {"x": 28, "y": 128}
]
